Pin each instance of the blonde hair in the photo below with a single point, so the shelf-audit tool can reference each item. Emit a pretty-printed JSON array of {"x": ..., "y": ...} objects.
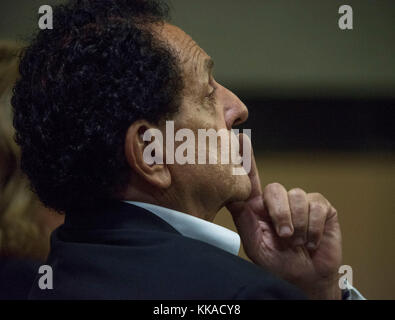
[{"x": 20, "y": 233}]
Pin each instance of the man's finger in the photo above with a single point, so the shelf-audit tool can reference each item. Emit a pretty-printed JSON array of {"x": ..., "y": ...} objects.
[
  {"x": 318, "y": 212},
  {"x": 256, "y": 188},
  {"x": 300, "y": 215},
  {"x": 276, "y": 201}
]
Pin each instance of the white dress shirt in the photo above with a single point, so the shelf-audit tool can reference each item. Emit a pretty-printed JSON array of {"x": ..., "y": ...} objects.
[
  {"x": 196, "y": 228},
  {"x": 211, "y": 233}
]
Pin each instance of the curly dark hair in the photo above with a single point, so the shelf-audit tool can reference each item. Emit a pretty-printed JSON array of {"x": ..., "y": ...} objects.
[{"x": 82, "y": 84}]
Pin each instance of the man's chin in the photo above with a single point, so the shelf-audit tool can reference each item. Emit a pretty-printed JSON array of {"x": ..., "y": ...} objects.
[{"x": 242, "y": 188}]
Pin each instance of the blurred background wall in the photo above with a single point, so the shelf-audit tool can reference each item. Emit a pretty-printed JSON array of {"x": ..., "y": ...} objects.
[{"x": 321, "y": 100}]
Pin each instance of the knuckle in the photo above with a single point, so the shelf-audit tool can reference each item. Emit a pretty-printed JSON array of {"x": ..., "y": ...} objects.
[
  {"x": 318, "y": 207},
  {"x": 274, "y": 186},
  {"x": 316, "y": 195},
  {"x": 296, "y": 193}
]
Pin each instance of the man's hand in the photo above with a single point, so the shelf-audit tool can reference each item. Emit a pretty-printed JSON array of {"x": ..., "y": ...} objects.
[{"x": 293, "y": 234}]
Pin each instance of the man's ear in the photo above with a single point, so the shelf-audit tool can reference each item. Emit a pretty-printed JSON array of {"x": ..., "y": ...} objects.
[{"x": 156, "y": 173}]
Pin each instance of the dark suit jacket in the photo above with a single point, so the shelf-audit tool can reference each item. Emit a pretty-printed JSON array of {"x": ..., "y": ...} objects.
[
  {"x": 16, "y": 277},
  {"x": 125, "y": 252}
]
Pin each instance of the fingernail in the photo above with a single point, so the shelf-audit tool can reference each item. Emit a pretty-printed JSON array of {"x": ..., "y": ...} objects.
[
  {"x": 310, "y": 245},
  {"x": 299, "y": 241},
  {"x": 285, "y": 231}
]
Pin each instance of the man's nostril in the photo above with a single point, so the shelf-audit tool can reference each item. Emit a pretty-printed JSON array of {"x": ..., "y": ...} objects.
[{"x": 238, "y": 121}]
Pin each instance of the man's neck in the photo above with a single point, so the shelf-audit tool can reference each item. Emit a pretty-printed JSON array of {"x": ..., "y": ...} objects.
[{"x": 183, "y": 203}]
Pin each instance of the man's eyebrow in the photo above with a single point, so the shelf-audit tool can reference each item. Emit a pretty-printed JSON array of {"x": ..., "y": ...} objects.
[{"x": 209, "y": 65}]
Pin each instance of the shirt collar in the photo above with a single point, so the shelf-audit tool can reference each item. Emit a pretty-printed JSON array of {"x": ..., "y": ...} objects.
[{"x": 195, "y": 228}]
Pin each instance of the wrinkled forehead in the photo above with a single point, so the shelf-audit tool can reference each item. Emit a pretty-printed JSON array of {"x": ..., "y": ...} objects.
[{"x": 190, "y": 55}]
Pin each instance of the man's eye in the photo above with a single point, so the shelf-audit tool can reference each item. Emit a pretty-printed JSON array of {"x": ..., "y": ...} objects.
[
  {"x": 211, "y": 92},
  {"x": 212, "y": 87}
]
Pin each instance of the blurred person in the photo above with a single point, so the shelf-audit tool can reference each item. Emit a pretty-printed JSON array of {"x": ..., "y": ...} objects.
[
  {"x": 89, "y": 90},
  {"x": 24, "y": 223}
]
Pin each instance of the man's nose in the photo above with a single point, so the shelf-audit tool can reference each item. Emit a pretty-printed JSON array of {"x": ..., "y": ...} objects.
[{"x": 235, "y": 111}]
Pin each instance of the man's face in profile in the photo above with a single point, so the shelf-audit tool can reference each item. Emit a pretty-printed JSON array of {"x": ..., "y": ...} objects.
[{"x": 205, "y": 105}]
